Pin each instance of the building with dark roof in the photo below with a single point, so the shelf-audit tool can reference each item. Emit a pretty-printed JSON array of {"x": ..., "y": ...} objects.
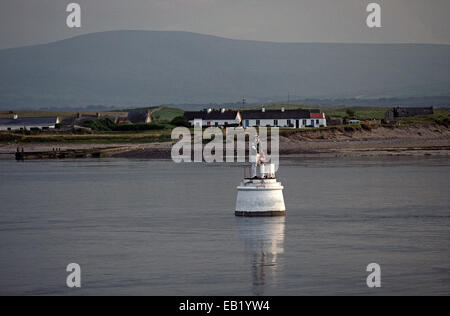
[
  {"x": 26, "y": 123},
  {"x": 255, "y": 118},
  {"x": 284, "y": 118},
  {"x": 212, "y": 117},
  {"x": 399, "y": 113}
]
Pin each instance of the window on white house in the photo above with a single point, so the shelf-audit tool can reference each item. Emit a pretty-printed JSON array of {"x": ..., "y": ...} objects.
[
  {"x": 258, "y": 122},
  {"x": 275, "y": 122}
]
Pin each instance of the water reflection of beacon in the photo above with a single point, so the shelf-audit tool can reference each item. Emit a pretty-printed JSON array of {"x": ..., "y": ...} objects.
[{"x": 260, "y": 194}]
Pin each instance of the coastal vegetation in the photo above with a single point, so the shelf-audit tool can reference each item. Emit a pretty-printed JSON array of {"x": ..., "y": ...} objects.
[
  {"x": 29, "y": 137},
  {"x": 164, "y": 119},
  {"x": 107, "y": 125}
]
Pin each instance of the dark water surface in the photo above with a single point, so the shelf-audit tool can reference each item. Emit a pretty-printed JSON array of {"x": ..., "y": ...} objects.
[{"x": 154, "y": 227}]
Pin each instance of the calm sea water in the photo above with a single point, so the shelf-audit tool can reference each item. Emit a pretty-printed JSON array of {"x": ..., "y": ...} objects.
[{"x": 158, "y": 228}]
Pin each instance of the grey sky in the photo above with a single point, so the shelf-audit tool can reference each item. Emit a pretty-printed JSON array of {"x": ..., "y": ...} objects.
[{"x": 25, "y": 22}]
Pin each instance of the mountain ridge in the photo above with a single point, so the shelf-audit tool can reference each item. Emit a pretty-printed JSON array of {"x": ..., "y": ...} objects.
[
  {"x": 141, "y": 68},
  {"x": 219, "y": 37}
]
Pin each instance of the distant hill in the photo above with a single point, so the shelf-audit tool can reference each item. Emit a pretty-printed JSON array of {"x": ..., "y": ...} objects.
[{"x": 143, "y": 68}]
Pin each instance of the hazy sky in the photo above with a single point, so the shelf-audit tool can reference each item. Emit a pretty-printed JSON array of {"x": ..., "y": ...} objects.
[{"x": 25, "y": 22}]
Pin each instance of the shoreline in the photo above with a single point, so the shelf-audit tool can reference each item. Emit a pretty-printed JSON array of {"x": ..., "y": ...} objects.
[
  {"x": 421, "y": 140},
  {"x": 307, "y": 149}
]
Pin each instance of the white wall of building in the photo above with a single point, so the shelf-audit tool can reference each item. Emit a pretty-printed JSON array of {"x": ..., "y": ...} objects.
[
  {"x": 303, "y": 123},
  {"x": 196, "y": 123},
  {"x": 286, "y": 123},
  {"x": 212, "y": 123},
  {"x": 16, "y": 127}
]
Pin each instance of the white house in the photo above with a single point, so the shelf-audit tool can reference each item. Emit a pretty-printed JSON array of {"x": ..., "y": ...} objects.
[
  {"x": 255, "y": 118},
  {"x": 284, "y": 118},
  {"x": 17, "y": 123},
  {"x": 212, "y": 117}
]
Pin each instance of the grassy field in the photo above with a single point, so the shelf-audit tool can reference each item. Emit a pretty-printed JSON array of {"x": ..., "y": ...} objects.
[
  {"x": 97, "y": 138},
  {"x": 166, "y": 114}
]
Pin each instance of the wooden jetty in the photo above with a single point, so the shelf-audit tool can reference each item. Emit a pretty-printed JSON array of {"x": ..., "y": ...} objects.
[{"x": 57, "y": 153}]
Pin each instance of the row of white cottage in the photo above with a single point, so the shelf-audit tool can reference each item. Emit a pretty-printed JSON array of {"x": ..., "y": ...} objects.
[{"x": 257, "y": 118}]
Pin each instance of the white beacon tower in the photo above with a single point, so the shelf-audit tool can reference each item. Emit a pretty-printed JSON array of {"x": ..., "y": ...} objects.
[{"x": 260, "y": 194}]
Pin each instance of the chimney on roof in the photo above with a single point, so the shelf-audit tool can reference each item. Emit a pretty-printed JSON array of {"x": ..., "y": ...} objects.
[
  {"x": 222, "y": 110},
  {"x": 283, "y": 109},
  {"x": 263, "y": 109},
  {"x": 15, "y": 117},
  {"x": 209, "y": 110},
  {"x": 98, "y": 115}
]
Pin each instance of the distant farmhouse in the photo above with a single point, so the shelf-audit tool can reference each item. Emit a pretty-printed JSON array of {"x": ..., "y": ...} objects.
[
  {"x": 27, "y": 123},
  {"x": 399, "y": 113},
  {"x": 256, "y": 118}
]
